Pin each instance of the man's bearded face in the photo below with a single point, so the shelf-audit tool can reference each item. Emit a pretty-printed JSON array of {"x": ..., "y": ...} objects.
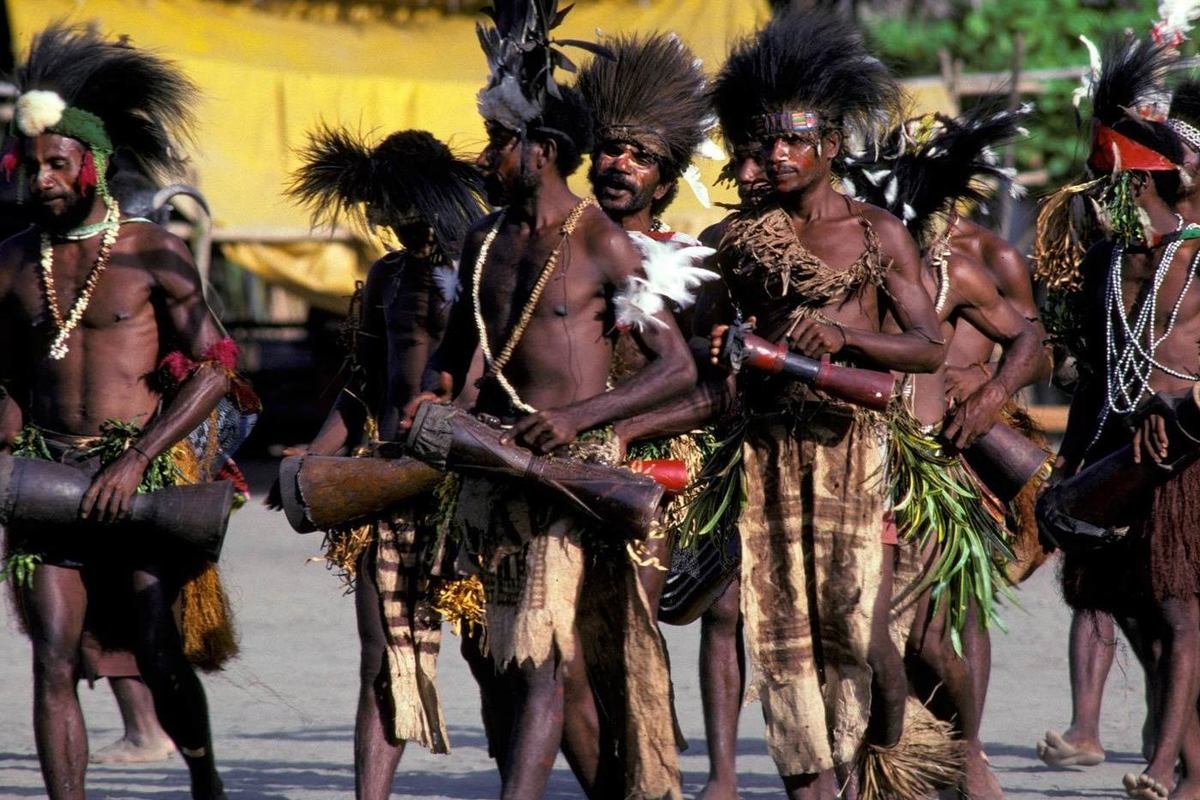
[
  {"x": 52, "y": 165},
  {"x": 752, "y": 184},
  {"x": 797, "y": 162},
  {"x": 506, "y": 178},
  {"x": 625, "y": 178}
]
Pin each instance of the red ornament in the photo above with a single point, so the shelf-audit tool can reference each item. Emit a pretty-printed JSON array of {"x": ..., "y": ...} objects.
[
  {"x": 9, "y": 162},
  {"x": 87, "y": 173}
]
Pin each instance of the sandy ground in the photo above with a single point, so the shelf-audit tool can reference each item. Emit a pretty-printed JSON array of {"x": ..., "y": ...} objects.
[{"x": 283, "y": 713}]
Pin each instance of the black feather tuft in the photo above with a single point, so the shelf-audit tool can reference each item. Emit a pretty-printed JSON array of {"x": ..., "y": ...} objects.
[
  {"x": 144, "y": 100},
  {"x": 408, "y": 172},
  {"x": 807, "y": 60},
  {"x": 1185, "y": 102},
  {"x": 936, "y": 163},
  {"x": 652, "y": 92}
]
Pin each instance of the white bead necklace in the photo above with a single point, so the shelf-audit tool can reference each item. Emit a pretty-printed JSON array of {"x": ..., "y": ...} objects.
[{"x": 1130, "y": 365}]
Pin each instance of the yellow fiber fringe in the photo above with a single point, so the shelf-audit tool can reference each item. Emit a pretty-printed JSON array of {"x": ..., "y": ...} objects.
[
  {"x": 209, "y": 639},
  {"x": 461, "y": 601},
  {"x": 1060, "y": 244}
]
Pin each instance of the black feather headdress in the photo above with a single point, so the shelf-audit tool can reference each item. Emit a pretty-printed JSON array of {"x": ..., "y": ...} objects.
[
  {"x": 652, "y": 92},
  {"x": 806, "y": 70},
  {"x": 408, "y": 173},
  {"x": 521, "y": 60},
  {"x": 933, "y": 163},
  {"x": 107, "y": 94},
  {"x": 1129, "y": 99}
]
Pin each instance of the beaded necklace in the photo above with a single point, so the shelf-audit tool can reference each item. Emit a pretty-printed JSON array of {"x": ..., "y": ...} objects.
[
  {"x": 1129, "y": 366},
  {"x": 495, "y": 365},
  {"x": 64, "y": 327}
]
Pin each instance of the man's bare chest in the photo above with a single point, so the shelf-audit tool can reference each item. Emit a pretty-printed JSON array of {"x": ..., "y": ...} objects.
[{"x": 115, "y": 296}]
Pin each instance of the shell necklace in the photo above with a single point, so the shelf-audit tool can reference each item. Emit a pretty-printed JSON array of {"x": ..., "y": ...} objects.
[
  {"x": 64, "y": 327},
  {"x": 495, "y": 364}
]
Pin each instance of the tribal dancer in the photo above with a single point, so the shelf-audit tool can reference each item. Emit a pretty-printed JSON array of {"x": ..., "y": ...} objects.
[
  {"x": 1147, "y": 168},
  {"x": 802, "y": 88},
  {"x": 411, "y": 186},
  {"x": 722, "y": 644},
  {"x": 930, "y": 169},
  {"x": 543, "y": 282},
  {"x": 79, "y": 368},
  {"x": 650, "y": 111}
]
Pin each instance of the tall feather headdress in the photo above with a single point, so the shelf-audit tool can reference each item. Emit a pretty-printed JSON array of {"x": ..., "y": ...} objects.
[
  {"x": 651, "y": 92},
  {"x": 933, "y": 164},
  {"x": 806, "y": 72},
  {"x": 408, "y": 172},
  {"x": 1128, "y": 133},
  {"x": 107, "y": 95},
  {"x": 521, "y": 61}
]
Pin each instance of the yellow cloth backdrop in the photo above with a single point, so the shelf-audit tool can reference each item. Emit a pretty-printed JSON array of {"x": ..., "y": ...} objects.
[{"x": 268, "y": 77}]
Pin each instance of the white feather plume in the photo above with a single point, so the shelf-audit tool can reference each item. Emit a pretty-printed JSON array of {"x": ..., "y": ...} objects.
[
  {"x": 39, "y": 110},
  {"x": 669, "y": 273},
  {"x": 1175, "y": 18},
  {"x": 1090, "y": 77},
  {"x": 691, "y": 176}
]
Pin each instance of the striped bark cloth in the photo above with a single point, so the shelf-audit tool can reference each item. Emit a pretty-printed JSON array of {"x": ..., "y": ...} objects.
[
  {"x": 414, "y": 634},
  {"x": 811, "y": 558}
]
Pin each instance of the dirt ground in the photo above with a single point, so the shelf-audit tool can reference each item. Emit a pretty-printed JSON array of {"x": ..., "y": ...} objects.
[{"x": 283, "y": 712}]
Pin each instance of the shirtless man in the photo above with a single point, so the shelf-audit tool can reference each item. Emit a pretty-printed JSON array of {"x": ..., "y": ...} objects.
[
  {"x": 931, "y": 168},
  {"x": 819, "y": 271},
  {"x": 539, "y": 279},
  {"x": 650, "y": 113},
  {"x": 122, "y": 295},
  {"x": 1157, "y": 604},
  {"x": 722, "y": 645},
  {"x": 416, "y": 189}
]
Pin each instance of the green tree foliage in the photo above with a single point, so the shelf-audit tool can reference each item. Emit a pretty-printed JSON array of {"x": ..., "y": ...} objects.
[{"x": 980, "y": 36}]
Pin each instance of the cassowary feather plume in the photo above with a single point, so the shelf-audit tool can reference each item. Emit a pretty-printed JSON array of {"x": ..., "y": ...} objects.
[
  {"x": 521, "y": 60},
  {"x": 409, "y": 171},
  {"x": 931, "y": 164},
  {"x": 807, "y": 61},
  {"x": 651, "y": 92},
  {"x": 144, "y": 101}
]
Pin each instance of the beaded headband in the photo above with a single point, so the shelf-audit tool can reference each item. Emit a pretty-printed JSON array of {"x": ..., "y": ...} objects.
[
  {"x": 1186, "y": 132},
  {"x": 782, "y": 123}
]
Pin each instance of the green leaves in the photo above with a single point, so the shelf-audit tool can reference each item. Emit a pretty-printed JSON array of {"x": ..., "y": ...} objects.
[
  {"x": 19, "y": 568},
  {"x": 939, "y": 509}
]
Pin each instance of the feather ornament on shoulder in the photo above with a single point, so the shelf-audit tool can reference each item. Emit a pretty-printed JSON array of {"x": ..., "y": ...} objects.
[{"x": 670, "y": 273}]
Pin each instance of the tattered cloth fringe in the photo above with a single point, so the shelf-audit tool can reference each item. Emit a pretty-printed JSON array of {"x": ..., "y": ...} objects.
[
  {"x": 811, "y": 563},
  {"x": 627, "y": 666},
  {"x": 760, "y": 247},
  {"x": 1028, "y": 553},
  {"x": 414, "y": 632},
  {"x": 925, "y": 760}
]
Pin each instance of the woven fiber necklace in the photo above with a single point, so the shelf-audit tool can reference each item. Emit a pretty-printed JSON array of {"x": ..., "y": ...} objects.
[
  {"x": 64, "y": 327},
  {"x": 495, "y": 364}
]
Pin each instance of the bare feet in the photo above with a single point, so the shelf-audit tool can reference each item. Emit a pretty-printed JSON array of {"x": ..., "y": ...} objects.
[
  {"x": 127, "y": 751},
  {"x": 978, "y": 782},
  {"x": 1058, "y": 750},
  {"x": 1187, "y": 789},
  {"x": 1143, "y": 787},
  {"x": 718, "y": 790}
]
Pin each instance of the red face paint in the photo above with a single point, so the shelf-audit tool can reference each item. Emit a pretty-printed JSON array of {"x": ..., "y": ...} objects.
[{"x": 87, "y": 173}]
